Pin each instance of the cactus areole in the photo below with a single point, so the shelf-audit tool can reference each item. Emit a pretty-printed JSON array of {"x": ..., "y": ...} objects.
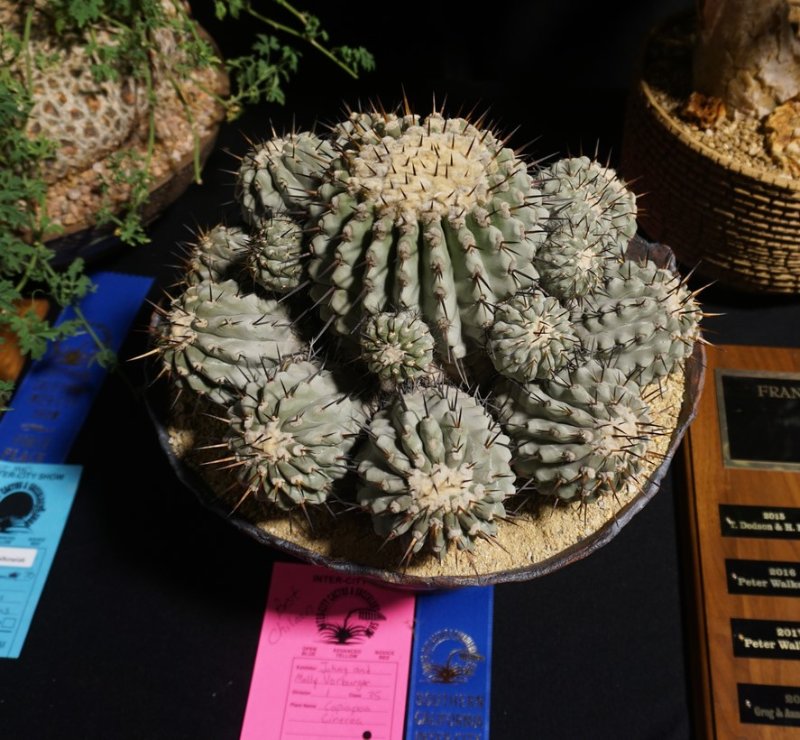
[{"x": 416, "y": 326}]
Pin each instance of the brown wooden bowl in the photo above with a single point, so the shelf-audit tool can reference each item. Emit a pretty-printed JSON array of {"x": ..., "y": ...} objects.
[{"x": 401, "y": 577}]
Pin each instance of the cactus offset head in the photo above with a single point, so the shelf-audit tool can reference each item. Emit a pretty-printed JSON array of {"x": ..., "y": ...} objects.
[
  {"x": 532, "y": 337},
  {"x": 435, "y": 470},
  {"x": 592, "y": 219},
  {"x": 579, "y": 436},
  {"x": 644, "y": 322},
  {"x": 281, "y": 175},
  {"x": 434, "y": 216},
  {"x": 398, "y": 348},
  {"x": 217, "y": 255},
  {"x": 275, "y": 256},
  {"x": 579, "y": 190},
  {"x": 574, "y": 260},
  {"x": 290, "y": 436},
  {"x": 215, "y": 341}
]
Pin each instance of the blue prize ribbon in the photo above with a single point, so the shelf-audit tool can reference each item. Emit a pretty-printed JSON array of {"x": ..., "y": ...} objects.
[
  {"x": 451, "y": 666},
  {"x": 34, "y": 505},
  {"x": 55, "y": 395},
  {"x": 48, "y": 410}
]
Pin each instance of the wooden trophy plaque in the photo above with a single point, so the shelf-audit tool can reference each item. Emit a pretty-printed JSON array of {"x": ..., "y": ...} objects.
[{"x": 743, "y": 468}]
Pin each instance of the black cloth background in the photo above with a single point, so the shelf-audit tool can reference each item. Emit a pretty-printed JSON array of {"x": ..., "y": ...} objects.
[{"x": 148, "y": 625}]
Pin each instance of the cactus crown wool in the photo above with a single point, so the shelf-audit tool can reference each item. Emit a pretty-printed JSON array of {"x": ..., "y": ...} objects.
[{"x": 422, "y": 170}]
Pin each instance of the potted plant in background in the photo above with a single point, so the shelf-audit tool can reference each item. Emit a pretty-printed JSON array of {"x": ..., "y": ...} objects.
[
  {"x": 107, "y": 112},
  {"x": 712, "y": 138}
]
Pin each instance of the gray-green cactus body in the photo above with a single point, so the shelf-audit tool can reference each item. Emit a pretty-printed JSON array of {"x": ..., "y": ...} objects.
[
  {"x": 291, "y": 436},
  {"x": 574, "y": 260},
  {"x": 435, "y": 470},
  {"x": 433, "y": 216},
  {"x": 282, "y": 175},
  {"x": 644, "y": 322},
  {"x": 398, "y": 348},
  {"x": 578, "y": 190},
  {"x": 532, "y": 337},
  {"x": 215, "y": 340},
  {"x": 422, "y": 241},
  {"x": 218, "y": 254},
  {"x": 579, "y": 436},
  {"x": 275, "y": 256}
]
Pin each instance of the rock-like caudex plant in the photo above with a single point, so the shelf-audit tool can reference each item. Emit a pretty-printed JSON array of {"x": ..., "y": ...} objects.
[{"x": 415, "y": 322}]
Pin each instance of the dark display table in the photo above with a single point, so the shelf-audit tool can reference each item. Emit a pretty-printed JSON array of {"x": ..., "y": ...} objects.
[{"x": 148, "y": 625}]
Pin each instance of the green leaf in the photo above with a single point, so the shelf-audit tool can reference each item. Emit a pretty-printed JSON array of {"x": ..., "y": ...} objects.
[
  {"x": 84, "y": 12},
  {"x": 358, "y": 58},
  {"x": 6, "y": 389},
  {"x": 228, "y": 7}
]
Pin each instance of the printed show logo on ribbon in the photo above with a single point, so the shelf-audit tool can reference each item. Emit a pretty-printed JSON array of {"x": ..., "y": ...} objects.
[
  {"x": 48, "y": 410},
  {"x": 451, "y": 666},
  {"x": 34, "y": 504}
]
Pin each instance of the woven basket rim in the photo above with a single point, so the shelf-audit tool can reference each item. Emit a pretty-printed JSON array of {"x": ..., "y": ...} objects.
[{"x": 785, "y": 182}]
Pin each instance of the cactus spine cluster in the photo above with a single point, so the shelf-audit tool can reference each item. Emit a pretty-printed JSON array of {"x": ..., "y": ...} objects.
[
  {"x": 291, "y": 434},
  {"x": 579, "y": 435},
  {"x": 415, "y": 317},
  {"x": 437, "y": 468}
]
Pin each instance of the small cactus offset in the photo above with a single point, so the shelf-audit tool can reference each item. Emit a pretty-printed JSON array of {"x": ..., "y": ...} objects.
[
  {"x": 218, "y": 254},
  {"x": 578, "y": 190},
  {"x": 275, "y": 254},
  {"x": 435, "y": 469},
  {"x": 579, "y": 435},
  {"x": 417, "y": 324},
  {"x": 215, "y": 341},
  {"x": 531, "y": 337},
  {"x": 290, "y": 435},
  {"x": 398, "y": 348},
  {"x": 574, "y": 260},
  {"x": 644, "y": 322},
  {"x": 281, "y": 175}
]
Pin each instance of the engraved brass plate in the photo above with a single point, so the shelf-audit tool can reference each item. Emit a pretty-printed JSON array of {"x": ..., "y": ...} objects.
[{"x": 759, "y": 416}]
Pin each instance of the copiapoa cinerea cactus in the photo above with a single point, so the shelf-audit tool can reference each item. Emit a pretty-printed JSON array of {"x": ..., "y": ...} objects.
[
  {"x": 217, "y": 341},
  {"x": 291, "y": 434},
  {"x": 416, "y": 323},
  {"x": 580, "y": 434},
  {"x": 436, "y": 467},
  {"x": 431, "y": 215}
]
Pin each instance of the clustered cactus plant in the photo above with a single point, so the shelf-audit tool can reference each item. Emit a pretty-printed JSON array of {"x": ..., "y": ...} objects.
[{"x": 411, "y": 305}]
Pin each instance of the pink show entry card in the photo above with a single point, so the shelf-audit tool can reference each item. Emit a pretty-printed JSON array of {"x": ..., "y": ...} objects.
[{"x": 332, "y": 659}]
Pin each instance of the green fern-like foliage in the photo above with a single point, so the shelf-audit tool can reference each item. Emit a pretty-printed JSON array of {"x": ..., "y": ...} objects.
[
  {"x": 131, "y": 50},
  {"x": 25, "y": 260}
]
